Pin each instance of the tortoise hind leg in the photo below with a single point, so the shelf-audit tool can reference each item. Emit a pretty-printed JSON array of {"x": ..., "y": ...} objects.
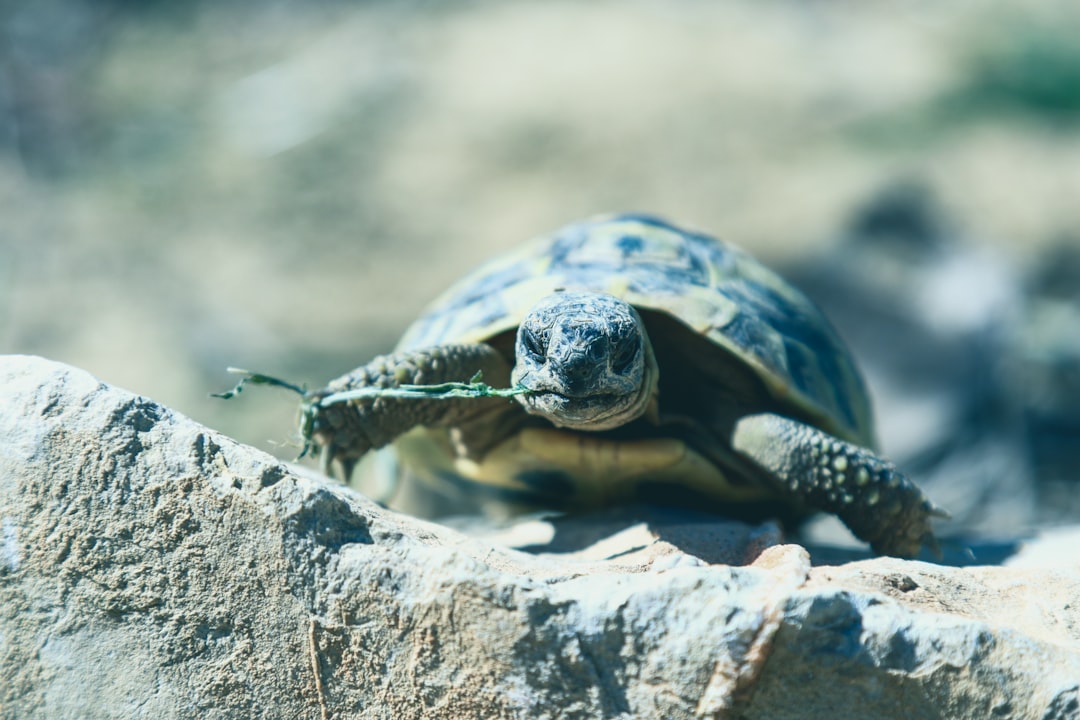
[{"x": 876, "y": 501}]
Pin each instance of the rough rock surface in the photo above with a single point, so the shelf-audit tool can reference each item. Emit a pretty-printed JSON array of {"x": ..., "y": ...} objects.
[{"x": 150, "y": 567}]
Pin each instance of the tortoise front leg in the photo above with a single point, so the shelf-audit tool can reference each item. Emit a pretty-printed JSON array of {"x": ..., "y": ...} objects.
[
  {"x": 347, "y": 430},
  {"x": 877, "y": 502}
]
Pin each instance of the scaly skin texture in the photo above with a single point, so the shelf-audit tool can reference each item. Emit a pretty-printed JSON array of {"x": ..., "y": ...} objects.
[
  {"x": 877, "y": 502},
  {"x": 587, "y": 358},
  {"x": 347, "y": 430}
]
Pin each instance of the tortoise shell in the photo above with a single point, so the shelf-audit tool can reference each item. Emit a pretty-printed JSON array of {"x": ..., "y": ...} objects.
[{"x": 716, "y": 290}]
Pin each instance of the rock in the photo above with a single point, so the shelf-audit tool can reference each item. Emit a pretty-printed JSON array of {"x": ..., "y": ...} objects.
[{"x": 150, "y": 567}]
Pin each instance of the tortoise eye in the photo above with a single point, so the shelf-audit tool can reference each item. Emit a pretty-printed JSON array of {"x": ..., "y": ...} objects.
[
  {"x": 625, "y": 355},
  {"x": 598, "y": 349},
  {"x": 532, "y": 344}
]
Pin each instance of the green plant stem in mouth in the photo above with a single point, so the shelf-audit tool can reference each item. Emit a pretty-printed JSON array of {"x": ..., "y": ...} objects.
[
  {"x": 311, "y": 404},
  {"x": 257, "y": 379},
  {"x": 442, "y": 391}
]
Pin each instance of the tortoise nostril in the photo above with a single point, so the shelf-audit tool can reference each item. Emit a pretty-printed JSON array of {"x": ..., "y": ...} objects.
[
  {"x": 578, "y": 365},
  {"x": 578, "y": 373}
]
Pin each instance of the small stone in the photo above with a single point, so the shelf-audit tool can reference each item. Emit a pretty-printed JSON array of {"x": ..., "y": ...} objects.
[
  {"x": 862, "y": 476},
  {"x": 841, "y": 479},
  {"x": 872, "y": 497},
  {"x": 840, "y": 463},
  {"x": 901, "y": 582}
]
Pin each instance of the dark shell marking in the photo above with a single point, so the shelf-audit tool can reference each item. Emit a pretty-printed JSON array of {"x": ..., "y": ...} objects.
[{"x": 713, "y": 287}]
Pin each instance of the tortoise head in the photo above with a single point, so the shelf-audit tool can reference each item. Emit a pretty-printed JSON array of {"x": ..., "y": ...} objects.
[{"x": 587, "y": 361}]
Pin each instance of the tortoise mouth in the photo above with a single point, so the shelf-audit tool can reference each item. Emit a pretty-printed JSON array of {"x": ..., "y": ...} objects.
[
  {"x": 595, "y": 397},
  {"x": 593, "y": 411}
]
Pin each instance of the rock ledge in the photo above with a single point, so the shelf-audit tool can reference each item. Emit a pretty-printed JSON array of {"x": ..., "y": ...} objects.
[{"x": 150, "y": 567}]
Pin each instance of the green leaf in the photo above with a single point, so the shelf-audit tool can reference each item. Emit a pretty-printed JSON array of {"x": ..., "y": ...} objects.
[{"x": 256, "y": 379}]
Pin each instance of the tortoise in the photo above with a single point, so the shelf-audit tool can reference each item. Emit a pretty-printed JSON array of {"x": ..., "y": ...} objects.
[{"x": 656, "y": 365}]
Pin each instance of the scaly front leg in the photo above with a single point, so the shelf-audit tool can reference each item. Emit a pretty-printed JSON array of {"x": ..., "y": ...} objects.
[
  {"x": 877, "y": 502},
  {"x": 347, "y": 430}
]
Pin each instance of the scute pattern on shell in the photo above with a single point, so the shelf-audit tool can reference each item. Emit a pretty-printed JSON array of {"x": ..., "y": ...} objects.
[{"x": 713, "y": 287}]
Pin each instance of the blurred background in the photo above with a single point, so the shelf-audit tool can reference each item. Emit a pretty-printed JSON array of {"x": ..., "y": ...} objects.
[{"x": 282, "y": 186}]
